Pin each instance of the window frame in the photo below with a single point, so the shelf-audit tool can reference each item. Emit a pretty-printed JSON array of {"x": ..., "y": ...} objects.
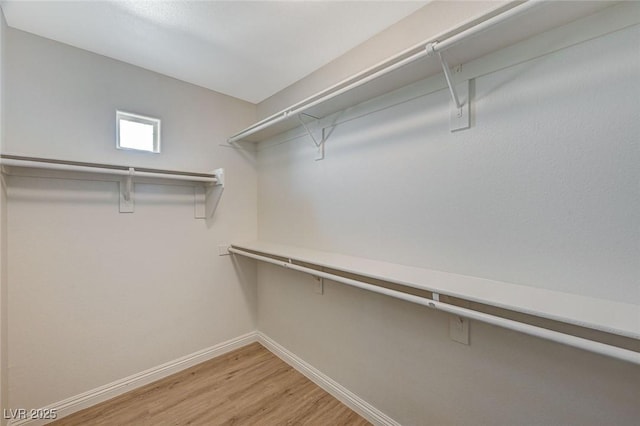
[{"x": 142, "y": 119}]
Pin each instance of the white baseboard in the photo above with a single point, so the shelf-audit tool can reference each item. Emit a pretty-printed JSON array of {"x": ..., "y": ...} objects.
[
  {"x": 113, "y": 389},
  {"x": 338, "y": 391},
  {"x": 119, "y": 387}
]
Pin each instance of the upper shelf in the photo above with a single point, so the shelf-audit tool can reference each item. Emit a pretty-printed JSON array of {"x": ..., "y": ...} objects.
[
  {"x": 207, "y": 195},
  {"x": 112, "y": 169},
  {"x": 481, "y": 36}
]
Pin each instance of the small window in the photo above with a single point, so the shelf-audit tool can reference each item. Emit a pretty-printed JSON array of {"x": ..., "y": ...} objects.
[{"x": 137, "y": 132}]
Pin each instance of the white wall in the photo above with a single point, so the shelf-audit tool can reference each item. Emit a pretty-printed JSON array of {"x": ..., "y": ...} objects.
[
  {"x": 541, "y": 191},
  {"x": 95, "y": 295},
  {"x": 3, "y": 239}
]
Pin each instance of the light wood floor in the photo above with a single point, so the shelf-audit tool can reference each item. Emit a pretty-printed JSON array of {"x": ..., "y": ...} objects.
[{"x": 249, "y": 386}]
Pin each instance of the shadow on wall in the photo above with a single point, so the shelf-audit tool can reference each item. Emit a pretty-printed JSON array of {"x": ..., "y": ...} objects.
[{"x": 246, "y": 272}]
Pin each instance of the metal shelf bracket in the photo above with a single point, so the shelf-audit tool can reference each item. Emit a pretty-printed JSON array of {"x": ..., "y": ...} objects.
[
  {"x": 126, "y": 192},
  {"x": 318, "y": 143},
  {"x": 459, "y": 115},
  {"x": 207, "y": 196},
  {"x": 213, "y": 194}
]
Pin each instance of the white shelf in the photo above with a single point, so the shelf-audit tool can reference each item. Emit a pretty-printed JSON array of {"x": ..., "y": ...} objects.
[
  {"x": 543, "y": 17},
  {"x": 207, "y": 192},
  {"x": 608, "y": 316}
]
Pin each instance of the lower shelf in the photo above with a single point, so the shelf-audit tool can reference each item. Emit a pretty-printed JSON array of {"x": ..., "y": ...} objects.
[{"x": 444, "y": 291}]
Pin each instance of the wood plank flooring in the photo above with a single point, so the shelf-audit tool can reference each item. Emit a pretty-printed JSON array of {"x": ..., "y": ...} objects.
[{"x": 249, "y": 386}]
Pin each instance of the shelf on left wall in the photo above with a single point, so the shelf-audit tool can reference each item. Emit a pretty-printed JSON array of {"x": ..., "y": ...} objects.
[{"x": 208, "y": 187}]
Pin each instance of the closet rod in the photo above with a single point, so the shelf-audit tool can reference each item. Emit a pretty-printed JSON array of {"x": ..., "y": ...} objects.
[
  {"x": 425, "y": 48},
  {"x": 283, "y": 115},
  {"x": 439, "y": 46},
  {"x": 78, "y": 166},
  {"x": 555, "y": 336}
]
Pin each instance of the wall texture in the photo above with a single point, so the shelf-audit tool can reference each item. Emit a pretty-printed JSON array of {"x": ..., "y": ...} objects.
[
  {"x": 541, "y": 191},
  {"x": 3, "y": 239},
  {"x": 96, "y": 295}
]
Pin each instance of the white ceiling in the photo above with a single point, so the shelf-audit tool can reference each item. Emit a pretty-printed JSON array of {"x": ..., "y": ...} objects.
[{"x": 246, "y": 49}]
